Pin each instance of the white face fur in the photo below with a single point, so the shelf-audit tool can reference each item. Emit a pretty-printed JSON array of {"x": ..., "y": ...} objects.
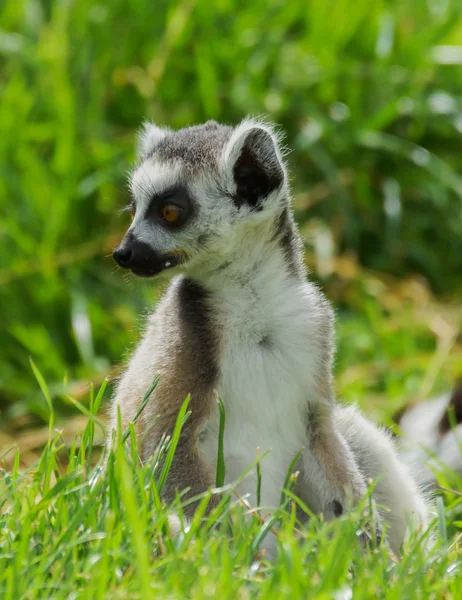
[{"x": 194, "y": 191}]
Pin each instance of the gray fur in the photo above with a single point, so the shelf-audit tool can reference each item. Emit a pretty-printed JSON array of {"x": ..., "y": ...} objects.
[{"x": 197, "y": 147}]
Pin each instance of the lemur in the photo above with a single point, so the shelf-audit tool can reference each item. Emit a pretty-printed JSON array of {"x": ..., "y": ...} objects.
[
  {"x": 240, "y": 320},
  {"x": 429, "y": 442}
]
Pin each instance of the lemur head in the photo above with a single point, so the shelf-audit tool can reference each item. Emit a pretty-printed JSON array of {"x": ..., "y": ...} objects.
[{"x": 198, "y": 190}]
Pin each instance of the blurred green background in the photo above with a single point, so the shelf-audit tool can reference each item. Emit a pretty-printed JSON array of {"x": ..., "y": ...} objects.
[{"x": 370, "y": 96}]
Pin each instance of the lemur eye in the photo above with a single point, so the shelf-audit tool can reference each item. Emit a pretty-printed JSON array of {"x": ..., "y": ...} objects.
[{"x": 171, "y": 213}]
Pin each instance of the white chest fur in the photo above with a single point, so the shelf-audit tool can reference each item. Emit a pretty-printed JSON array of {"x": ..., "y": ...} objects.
[{"x": 269, "y": 360}]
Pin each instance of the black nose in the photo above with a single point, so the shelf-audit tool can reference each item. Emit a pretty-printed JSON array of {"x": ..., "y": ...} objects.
[{"x": 122, "y": 256}]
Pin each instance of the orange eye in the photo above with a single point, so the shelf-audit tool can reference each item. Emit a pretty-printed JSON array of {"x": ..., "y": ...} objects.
[{"x": 171, "y": 213}]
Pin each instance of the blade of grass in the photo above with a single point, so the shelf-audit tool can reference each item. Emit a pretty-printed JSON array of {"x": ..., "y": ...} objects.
[
  {"x": 139, "y": 541},
  {"x": 221, "y": 467},
  {"x": 180, "y": 421},
  {"x": 142, "y": 406},
  {"x": 289, "y": 473},
  {"x": 46, "y": 393}
]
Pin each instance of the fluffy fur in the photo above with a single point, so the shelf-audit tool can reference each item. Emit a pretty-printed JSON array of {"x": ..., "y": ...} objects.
[
  {"x": 242, "y": 322},
  {"x": 429, "y": 443}
]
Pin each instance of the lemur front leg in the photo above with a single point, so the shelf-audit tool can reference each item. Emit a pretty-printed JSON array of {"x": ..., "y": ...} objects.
[
  {"x": 188, "y": 471},
  {"x": 332, "y": 475},
  {"x": 329, "y": 465},
  {"x": 189, "y": 474}
]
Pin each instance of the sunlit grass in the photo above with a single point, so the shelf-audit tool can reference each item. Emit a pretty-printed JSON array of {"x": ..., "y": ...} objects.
[{"x": 72, "y": 530}]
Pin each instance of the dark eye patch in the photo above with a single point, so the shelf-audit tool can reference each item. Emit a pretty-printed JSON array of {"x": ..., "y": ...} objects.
[{"x": 177, "y": 196}]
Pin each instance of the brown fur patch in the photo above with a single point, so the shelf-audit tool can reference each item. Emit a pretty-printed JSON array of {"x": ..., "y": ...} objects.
[
  {"x": 332, "y": 452},
  {"x": 334, "y": 455},
  {"x": 324, "y": 378},
  {"x": 181, "y": 347},
  {"x": 286, "y": 235}
]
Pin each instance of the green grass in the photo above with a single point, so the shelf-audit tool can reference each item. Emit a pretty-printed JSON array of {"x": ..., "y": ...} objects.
[
  {"x": 369, "y": 95},
  {"x": 70, "y": 530}
]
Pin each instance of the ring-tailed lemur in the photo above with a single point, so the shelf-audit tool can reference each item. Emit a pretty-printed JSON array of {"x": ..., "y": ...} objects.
[
  {"x": 429, "y": 443},
  {"x": 242, "y": 321}
]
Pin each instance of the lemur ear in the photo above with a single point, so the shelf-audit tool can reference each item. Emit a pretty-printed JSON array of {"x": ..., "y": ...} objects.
[
  {"x": 255, "y": 163},
  {"x": 148, "y": 138}
]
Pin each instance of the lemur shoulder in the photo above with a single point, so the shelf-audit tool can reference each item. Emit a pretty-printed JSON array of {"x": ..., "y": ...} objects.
[{"x": 241, "y": 320}]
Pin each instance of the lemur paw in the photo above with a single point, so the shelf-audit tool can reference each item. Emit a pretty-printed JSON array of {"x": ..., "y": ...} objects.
[{"x": 371, "y": 537}]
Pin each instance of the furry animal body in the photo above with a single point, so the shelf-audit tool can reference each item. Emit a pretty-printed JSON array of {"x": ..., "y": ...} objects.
[
  {"x": 241, "y": 321},
  {"x": 429, "y": 443}
]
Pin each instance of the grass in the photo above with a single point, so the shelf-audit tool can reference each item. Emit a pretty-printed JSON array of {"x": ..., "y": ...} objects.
[
  {"x": 92, "y": 532},
  {"x": 369, "y": 95}
]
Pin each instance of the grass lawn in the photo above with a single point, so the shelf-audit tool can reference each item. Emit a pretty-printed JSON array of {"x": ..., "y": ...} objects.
[
  {"x": 72, "y": 530},
  {"x": 369, "y": 96}
]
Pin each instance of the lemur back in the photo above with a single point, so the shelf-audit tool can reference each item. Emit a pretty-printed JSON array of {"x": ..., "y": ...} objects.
[{"x": 241, "y": 321}]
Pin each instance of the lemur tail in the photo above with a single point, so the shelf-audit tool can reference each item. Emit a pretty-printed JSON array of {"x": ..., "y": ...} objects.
[
  {"x": 405, "y": 507},
  {"x": 432, "y": 434}
]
